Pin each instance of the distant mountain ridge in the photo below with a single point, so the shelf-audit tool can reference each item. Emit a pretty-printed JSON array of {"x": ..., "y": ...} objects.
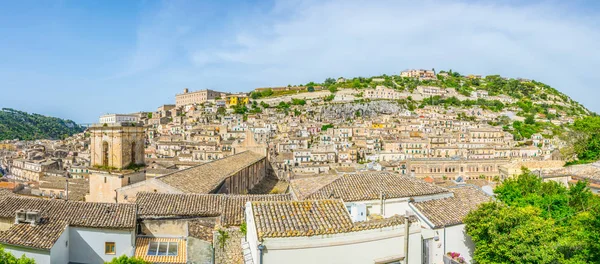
[{"x": 21, "y": 125}]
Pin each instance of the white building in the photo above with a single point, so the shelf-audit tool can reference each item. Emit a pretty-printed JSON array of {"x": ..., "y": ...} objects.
[
  {"x": 442, "y": 222},
  {"x": 118, "y": 118},
  {"x": 382, "y": 92},
  {"x": 429, "y": 90},
  {"x": 321, "y": 231},
  {"x": 383, "y": 193},
  {"x": 56, "y": 231}
]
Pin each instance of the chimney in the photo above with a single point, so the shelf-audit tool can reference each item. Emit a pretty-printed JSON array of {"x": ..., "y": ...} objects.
[
  {"x": 33, "y": 217},
  {"x": 185, "y": 90},
  {"x": 20, "y": 216}
]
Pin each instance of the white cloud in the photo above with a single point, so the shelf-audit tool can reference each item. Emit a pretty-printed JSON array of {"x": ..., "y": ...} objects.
[
  {"x": 312, "y": 40},
  {"x": 300, "y": 41}
]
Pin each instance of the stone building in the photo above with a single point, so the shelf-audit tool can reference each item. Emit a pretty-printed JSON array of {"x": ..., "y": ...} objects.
[
  {"x": 116, "y": 145},
  {"x": 236, "y": 174},
  {"x": 452, "y": 168},
  {"x": 114, "y": 148},
  {"x": 190, "y": 220},
  {"x": 197, "y": 97},
  {"x": 32, "y": 170}
]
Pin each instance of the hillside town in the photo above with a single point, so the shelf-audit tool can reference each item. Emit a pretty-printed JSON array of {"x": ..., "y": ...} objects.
[{"x": 297, "y": 174}]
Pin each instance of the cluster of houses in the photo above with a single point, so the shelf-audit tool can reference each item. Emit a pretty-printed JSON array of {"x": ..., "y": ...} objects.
[{"x": 334, "y": 181}]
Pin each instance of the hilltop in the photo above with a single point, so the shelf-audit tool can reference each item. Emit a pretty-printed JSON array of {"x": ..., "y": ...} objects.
[
  {"x": 525, "y": 108},
  {"x": 16, "y": 124},
  {"x": 493, "y": 92}
]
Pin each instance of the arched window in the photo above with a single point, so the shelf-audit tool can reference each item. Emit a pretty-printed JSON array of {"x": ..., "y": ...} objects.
[
  {"x": 105, "y": 153},
  {"x": 133, "y": 153}
]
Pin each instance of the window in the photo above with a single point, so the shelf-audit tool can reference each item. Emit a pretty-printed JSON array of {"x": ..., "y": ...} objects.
[
  {"x": 109, "y": 248},
  {"x": 162, "y": 249}
]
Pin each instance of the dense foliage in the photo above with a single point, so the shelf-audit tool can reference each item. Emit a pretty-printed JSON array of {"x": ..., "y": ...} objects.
[
  {"x": 537, "y": 222},
  {"x": 21, "y": 125},
  {"x": 8, "y": 258},
  {"x": 584, "y": 140},
  {"x": 127, "y": 260}
]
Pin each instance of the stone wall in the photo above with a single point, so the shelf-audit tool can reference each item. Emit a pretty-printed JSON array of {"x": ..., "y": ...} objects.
[
  {"x": 244, "y": 180},
  {"x": 231, "y": 253}
]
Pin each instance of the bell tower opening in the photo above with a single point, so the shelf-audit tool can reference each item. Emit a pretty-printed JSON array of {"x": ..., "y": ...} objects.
[
  {"x": 133, "y": 153},
  {"x": 105, "y": 154}
]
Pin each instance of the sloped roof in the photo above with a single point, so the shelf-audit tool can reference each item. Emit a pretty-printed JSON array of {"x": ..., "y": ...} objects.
[
  {"x": 84, "y": 214},
  {"x": 230, "y": 208},
  {"x": 205, "y": 178},
  {"x": 165, "y": 205},
  {"x": 366, "y": 186},
  {"x": 310, "y": 218},
  {"x": 451, "y": 211},
  {"x": 142, "y": 244},
  {"x": 41, "y": 236}
]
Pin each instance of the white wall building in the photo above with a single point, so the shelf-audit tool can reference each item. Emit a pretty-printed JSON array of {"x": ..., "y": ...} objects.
[
  {"x": 56, "y": 231},
  {"x": 290, "y": 239},
  {"x": 118, "y": 118},
  {"x": 444, "y": 220}
]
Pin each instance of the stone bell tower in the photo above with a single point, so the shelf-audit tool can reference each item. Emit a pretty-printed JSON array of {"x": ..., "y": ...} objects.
[{"x": 116, "y": 145}]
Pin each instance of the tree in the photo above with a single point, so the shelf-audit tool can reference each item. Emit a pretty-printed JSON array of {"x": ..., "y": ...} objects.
[
  {"x": 333, "y": 89},
  {"x": 537, "y": 222},
  {"x": 267, "y": 93},
  {"x": 512, "y": 235},
  {"x": 240, "y": 109},
  {"x": 298, "y": 101},
  {"x": 255, "y": 95},
  {"x": 530, "y": 120},
  {"x": 585, "y": 139},
  {"x": 329, "y": 81},
  {"x": 16, "y": 124},
  {"x": 221, "y": 110},
  {"x": 127, "y": 260},
  {"x": 310, "y": 88},
  {"x": 325, "y": 127},
  {"x": 9, "y": 258},
  {"x": 149, "y": 115}
]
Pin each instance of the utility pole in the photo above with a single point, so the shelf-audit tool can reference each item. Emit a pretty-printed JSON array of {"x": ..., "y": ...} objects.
[{"x": 406, "y": 235}]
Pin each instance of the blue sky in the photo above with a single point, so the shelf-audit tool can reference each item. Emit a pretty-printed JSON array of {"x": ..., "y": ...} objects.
[{"x": 80, "y": 59}]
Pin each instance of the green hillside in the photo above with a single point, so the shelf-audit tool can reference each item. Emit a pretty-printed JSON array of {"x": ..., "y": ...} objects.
[{"x": 16, "y": 124}]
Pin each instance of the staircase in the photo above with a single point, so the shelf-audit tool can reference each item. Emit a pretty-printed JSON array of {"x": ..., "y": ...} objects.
[{"x": 246, "y": 252}]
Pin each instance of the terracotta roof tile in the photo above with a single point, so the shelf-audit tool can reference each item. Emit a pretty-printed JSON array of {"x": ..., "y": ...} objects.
[
  {"x": 367, "y": 186},
  {"x": 205, "y": 178},
  {"x": 234, "y": 206},
  {"x": 41, "y": 236},
  {"x": 452, "y": 211},
  {"x": 230, "y": 208},
  {"x": 310, "y": 218},
  {"x": 106, "y": 215},
  {"x": 165, "y": 205}
]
